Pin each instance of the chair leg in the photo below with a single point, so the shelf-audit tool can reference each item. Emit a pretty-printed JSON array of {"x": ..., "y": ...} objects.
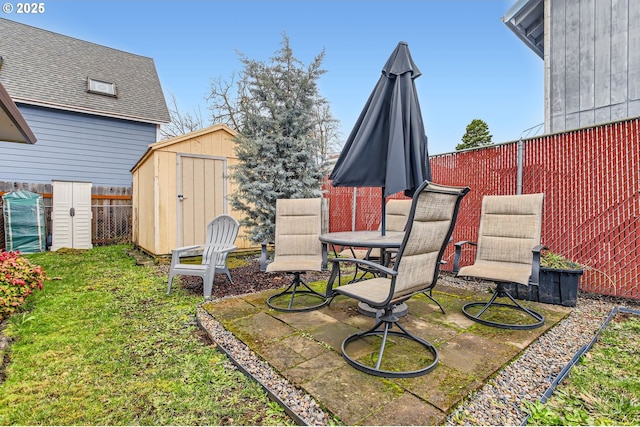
[
  {"x": 538, "y": 319},
  {"x": 226, "y": 271},
  {"x": 171, "y": 276},
  {"x": 207, "y": 282},
  {"x": 430, "y": 296},
  {"x": 291, "y": 292},
  {"x": 387, "y": 321}
]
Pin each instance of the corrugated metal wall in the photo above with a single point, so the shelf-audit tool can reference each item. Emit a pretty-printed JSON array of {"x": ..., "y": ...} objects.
[
  {"x": 593, "y": 62},
  {"x": 591, "y": 180}
]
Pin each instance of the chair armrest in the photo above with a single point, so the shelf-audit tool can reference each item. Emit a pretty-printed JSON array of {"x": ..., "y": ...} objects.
[
  {"x": 371, "y": 264},
  {"x": 458, "y": 254},
  {"x": 185, "y": 249},
  {"x": 535, "y": 265},
  {"x": 220, "y": 248}
]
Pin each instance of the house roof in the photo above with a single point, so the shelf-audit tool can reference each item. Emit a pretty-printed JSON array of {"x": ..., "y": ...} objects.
[
  {"x": 526, "y": 19},
  {"x": 13, "y": 127},
  {"x": 44, "y": 68}
]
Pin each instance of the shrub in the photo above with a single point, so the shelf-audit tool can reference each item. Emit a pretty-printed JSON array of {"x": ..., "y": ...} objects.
[
  {"x": 18, "y": 279},
  {"x": 553, "y": 260}
]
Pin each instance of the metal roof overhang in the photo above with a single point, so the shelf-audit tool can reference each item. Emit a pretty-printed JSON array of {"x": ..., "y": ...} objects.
[
  {"x": 13, "y": 126},
  {"x": 526, "y": 19}
]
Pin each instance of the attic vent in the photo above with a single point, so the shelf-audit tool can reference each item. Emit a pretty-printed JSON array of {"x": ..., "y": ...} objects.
[{"x": 100, "y": 87}]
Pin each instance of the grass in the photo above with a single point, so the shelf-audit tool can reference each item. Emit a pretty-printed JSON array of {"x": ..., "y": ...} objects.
[
  {"x": 103, "y": 344},
  {"x": 604, "y": 387}
]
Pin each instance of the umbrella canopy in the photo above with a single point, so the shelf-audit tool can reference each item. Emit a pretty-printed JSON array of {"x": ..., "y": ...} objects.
[{"x": 388, "y": 145}]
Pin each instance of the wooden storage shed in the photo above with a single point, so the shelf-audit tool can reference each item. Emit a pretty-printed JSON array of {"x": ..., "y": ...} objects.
[{"x": 179, "y": 185}]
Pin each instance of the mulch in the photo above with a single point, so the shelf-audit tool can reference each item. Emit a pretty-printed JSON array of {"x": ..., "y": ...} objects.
[{"x": 246, "y": 279}]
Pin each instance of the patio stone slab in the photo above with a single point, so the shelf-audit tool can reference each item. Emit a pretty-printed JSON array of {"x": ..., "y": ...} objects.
[
  {"x": 319, "y": 366},
  {"x": 475, "y": 355},
  {"x": 304, "y": 345},
  {"x": 435, "y": 333},
  {"x": 280, "y": 357},
  {"x": 305, "y": 348},
  {"x": 333, "y": 335},
  {"x": 442, "y": 388},
  {"x": 353, "y": 395},
  {"x": 309, "y": 320},
  {"x": 457, "y": 320},
  {"x": 258, "y": 328},
  {"x": 406, "y": 410},
  {"x": 232, "y": 309}
]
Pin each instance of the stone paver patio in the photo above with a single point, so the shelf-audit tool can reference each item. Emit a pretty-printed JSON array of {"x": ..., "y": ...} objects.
[{"x": 305, "y": 348}]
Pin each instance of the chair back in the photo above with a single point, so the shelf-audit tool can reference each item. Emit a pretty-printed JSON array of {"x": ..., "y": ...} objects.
[
  {"x": 433, "y": 215},
  {"x": 397, "y": 212},
  {"x": 510, "y": 227},
  {"x": 298, "y": 228},
  {"x": 222, "y": 230}
]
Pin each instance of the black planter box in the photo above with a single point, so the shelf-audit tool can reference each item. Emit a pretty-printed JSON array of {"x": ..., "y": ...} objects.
[{"x": 556, "y": 287}]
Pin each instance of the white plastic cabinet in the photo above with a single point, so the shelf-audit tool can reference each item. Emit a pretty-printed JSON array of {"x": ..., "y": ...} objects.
[{"x": 71, "y": 216}]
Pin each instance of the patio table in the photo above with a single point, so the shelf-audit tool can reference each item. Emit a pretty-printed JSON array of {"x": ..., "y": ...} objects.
[
  {"x": 361, "y": 239},
  {"x": 364, "y": 239}
]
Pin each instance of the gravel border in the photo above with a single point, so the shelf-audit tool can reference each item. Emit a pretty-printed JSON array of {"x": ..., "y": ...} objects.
[{"x": 498, "y": 402}]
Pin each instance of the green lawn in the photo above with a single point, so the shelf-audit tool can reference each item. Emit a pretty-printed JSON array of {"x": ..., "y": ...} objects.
[
  {"x": 102, "y": 344},
  {"x": 603, "y": 388}
]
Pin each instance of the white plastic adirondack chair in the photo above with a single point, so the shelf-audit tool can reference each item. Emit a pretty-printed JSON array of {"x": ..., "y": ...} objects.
[{"x": 221, "y": 234}]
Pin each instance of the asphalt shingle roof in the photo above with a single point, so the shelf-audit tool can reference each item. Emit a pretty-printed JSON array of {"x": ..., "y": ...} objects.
[{"x": 44, "y": 68}]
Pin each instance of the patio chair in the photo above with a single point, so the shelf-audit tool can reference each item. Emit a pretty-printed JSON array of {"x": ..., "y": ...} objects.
[
  {"x": 297, "y": 250},
  {"x": 433, "y": 214},
  {"x": 396, "y": 215},
  {"x": 508, "y": 251},
  {"x": 221, "y": 234}
]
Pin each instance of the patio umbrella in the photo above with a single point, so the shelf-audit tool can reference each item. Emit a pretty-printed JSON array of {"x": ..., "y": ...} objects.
[{"x": 387, "y": 147}]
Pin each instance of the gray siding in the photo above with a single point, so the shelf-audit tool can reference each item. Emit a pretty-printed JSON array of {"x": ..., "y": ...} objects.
[
  {"x": 76, "y": 147},
  {"x": 594, "y": 62}
]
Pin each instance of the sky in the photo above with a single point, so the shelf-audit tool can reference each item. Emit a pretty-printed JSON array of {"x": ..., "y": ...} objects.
[{"x": 473, "y": 66}]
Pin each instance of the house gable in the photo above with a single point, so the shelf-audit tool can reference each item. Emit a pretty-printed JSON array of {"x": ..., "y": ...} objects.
[{"x": 52, "y": 70}]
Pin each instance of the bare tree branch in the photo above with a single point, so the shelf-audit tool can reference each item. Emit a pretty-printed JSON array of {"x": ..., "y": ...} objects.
[
  {"x": 225, "y": 102},
  {"x": 181, "y": 123}
]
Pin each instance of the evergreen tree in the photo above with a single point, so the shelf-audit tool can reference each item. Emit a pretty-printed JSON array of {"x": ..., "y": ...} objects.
[
  {"x": 276, "y": 149},
  {"x": 476, "y": 135}
]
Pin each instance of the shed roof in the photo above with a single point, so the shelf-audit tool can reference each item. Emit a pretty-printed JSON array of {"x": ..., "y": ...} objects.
[
  {"x": 44, "y": 68},
  {"x": 177, "y": 139}
]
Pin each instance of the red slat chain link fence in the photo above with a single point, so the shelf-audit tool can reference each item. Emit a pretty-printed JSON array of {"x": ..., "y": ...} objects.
[{"x": 591, "y": 181}]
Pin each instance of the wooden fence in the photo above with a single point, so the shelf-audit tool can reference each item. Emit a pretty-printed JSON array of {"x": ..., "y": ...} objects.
[{"x": 111, "y": 208}]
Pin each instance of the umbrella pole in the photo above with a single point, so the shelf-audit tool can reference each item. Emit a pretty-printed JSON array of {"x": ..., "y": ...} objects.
[{"x": 383, "y": 228}]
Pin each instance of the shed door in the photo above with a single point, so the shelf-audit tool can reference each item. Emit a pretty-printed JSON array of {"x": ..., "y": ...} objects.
[
  {"x": 71, "y": 215},
  {"x": 202, "y": 195}
]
